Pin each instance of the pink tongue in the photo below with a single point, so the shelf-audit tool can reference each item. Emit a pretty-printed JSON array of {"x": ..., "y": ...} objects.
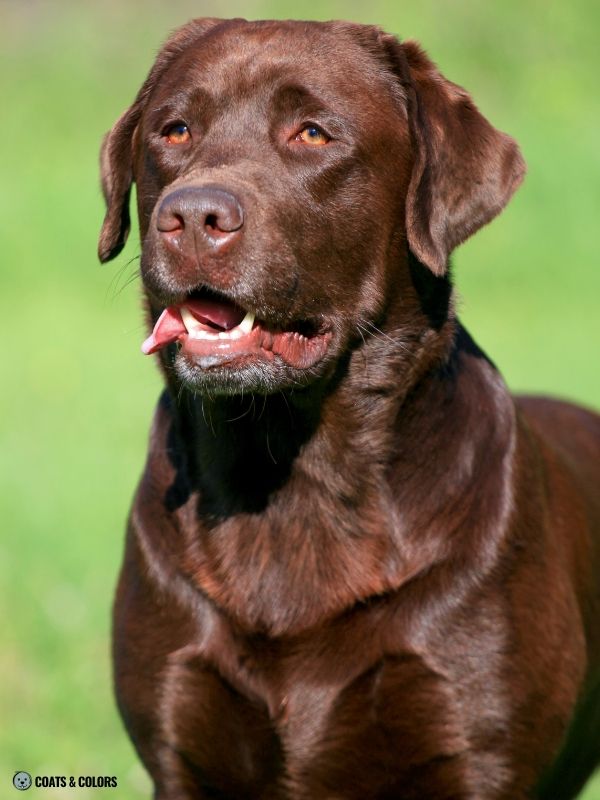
[
  {"x": 218, "y": 313},
  {"x": 169, "y": 326}
]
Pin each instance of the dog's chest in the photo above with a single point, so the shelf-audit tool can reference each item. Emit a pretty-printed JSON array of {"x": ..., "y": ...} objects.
[{"x": 305, "y": 724}]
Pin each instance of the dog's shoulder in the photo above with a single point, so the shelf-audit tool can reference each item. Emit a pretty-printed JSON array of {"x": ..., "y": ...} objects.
[{"x": 570, "y": 432}]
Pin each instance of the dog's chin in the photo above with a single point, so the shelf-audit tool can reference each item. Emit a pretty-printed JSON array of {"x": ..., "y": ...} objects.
[{"x": 214, "y": 375}]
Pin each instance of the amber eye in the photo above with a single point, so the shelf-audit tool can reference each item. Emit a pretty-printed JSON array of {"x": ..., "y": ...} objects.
[
  {"x": 313, "y": 136},
  {"x": 177, "y": 134}
]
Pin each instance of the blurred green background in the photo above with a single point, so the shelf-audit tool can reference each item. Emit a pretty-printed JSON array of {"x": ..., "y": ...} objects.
[{"x": 78, "y": 395}]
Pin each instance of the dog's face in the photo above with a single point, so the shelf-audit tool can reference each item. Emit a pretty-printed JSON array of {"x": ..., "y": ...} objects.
[{"x": 282, "y": 168}]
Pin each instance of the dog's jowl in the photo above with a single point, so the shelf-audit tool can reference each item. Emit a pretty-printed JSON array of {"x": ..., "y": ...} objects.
[{"x": 356, "y": 568}]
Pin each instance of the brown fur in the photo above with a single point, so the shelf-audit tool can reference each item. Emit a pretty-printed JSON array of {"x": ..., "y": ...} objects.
[{"x": 377, "y": 577}]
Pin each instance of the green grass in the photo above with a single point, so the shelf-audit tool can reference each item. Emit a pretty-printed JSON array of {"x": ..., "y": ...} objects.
[{"x": 77, "y": 400}]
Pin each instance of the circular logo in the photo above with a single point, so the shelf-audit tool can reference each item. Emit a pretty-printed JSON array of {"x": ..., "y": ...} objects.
[{"x": 22, "y": 781}]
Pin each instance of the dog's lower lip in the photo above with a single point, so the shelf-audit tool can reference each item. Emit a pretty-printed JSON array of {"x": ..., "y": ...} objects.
[{"x": 260, "y": 344}]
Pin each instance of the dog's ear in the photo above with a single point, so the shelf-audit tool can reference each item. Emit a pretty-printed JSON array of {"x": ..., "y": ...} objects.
[
  {"x": 116, "y": 154},
  {"x": 464, "y": 171},
  {"x": 116, "y": 175}
]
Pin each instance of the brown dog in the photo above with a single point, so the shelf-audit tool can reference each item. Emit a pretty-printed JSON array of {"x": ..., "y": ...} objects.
[{"x": 356, "y": 567}]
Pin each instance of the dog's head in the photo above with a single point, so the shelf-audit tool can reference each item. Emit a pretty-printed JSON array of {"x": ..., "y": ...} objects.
[{"x": 284, "y": 171}]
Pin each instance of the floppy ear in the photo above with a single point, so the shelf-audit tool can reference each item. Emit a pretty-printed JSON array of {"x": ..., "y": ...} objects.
[
  {"x": 116, "y": 154},
  {"x": 464, "y": 172},
  {"x": 116, "y": 175}
]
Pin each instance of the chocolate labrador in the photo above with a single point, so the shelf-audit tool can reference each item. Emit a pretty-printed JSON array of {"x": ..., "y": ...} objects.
[{"x": 356, "y": 567}]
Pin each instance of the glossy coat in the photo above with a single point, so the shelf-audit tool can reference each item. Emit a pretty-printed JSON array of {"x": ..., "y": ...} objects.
[{"x": 380, "y": 579}]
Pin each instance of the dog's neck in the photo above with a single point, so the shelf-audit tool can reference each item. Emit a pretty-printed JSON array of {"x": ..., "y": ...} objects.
[
  {"x": 241, "y": 450},
  {"x": 290, "y": 508},
  {"x": 353, "y": 475}
]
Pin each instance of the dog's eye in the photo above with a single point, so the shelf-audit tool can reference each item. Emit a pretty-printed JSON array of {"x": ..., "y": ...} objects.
[
  {"x": 177, "y": 134},
  {"x": 312, "y": 135}
]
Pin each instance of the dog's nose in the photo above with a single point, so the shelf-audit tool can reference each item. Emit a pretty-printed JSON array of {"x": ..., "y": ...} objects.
[{"x": 207, "y": 217}]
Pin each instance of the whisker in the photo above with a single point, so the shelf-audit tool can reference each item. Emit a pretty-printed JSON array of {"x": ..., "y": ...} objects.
[
  {"x": 113, "y": 289},
  {"x": 362, "y": 331},
  {"x": 395, "y": 341}
]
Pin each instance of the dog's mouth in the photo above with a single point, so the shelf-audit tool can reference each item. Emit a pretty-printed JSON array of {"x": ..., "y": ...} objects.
[{"x": 213, "y": 330}]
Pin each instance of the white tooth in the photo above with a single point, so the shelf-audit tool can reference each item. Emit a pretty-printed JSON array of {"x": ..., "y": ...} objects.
[
  {"x": 189, "y": 320},
  {"x": 202, "y": 333},
  {"x": 247, "y": 323}
]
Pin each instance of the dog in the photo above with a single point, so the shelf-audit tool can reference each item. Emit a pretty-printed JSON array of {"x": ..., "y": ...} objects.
[{"x": 355, "y": 566}]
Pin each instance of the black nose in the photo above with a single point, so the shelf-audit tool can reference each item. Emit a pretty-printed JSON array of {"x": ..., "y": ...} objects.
[{"x": 202, "y": 216}]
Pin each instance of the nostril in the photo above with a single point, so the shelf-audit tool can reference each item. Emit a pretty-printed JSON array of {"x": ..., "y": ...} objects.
[
  {"x": 178, "y": 224},
  {"x": 222, "y": 224},
  {"x": 170, "y": 223},
  {"x": 211, "y": 222}
]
